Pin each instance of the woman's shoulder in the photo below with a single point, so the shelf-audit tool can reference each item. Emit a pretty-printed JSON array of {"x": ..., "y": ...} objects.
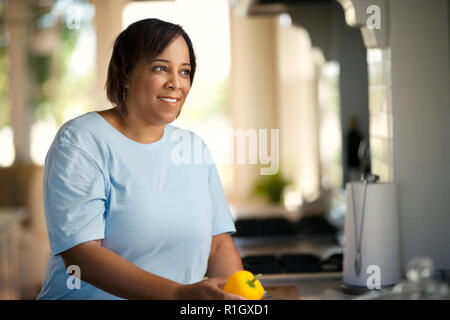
[
  {"x": 83, "y": 133},
  {"x": 79, "y": 138},
  {"x": 77, "y": 130}
]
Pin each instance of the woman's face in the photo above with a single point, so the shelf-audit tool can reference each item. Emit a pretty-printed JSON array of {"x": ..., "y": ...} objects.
[{"x": 157, "y": 89}]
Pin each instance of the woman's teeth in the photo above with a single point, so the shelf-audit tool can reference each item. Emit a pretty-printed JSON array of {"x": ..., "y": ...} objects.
[{"x": 168, "y": 100}]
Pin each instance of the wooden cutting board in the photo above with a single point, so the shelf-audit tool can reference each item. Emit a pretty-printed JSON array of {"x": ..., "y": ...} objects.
[{"x": 281, "y": 293}]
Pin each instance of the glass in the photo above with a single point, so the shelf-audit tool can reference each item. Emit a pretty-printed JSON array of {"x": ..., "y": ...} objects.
[{"x": 418, "y": 286}]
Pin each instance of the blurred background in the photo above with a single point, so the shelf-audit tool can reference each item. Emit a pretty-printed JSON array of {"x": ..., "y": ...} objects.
[{"x": 303, "y": 67}]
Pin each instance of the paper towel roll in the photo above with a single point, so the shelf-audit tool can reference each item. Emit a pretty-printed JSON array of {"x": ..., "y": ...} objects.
[{"x": 380, "y": 241}]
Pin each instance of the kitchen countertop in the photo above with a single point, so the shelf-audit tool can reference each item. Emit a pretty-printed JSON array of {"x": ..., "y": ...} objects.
[
  {"x": 304, "y": 286},
  {"x": 293, "y": 286}
]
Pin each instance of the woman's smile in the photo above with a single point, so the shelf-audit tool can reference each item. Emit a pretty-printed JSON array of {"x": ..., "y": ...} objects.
[{"x": 171, "y": 101}]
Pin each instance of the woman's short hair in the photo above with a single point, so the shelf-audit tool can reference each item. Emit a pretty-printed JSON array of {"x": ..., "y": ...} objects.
[{"x": 142, "y": 40}]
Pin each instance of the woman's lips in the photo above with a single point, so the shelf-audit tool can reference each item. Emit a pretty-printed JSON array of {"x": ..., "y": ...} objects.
[{"x": 172, "y": 101}]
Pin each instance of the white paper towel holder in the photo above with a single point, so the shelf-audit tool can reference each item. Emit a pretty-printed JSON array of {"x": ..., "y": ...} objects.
[{"x": 354, "y": 267}]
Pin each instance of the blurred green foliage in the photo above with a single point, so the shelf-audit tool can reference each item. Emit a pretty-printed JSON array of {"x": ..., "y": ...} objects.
[
  {"x": 271, "y": 187},
  {"x": 53, "y": 89},
  {"x": 50, "y": 93}
]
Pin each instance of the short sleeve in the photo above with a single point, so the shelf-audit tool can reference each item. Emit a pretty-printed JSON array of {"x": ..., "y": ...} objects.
[
  {"x": 74, "y": 198},
  {"x": 222, "y": 218}
]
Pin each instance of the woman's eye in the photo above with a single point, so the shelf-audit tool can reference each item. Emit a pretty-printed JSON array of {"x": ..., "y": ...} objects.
[
  {"x": 186, "y": 72},
  {"x": 160, "y": 68}
]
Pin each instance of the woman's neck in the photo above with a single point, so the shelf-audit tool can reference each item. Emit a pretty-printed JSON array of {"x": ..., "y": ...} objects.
[{"x": 134, "y": 127}]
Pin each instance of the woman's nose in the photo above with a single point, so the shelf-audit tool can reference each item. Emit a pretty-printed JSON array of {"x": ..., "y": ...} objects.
[{"x": 173, "y": 82}]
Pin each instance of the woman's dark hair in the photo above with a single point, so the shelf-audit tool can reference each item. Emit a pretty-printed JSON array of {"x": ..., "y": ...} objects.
[{"x": 142, "y": 40}]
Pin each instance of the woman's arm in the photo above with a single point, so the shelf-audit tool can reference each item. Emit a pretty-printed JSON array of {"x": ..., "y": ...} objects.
[
  {"x": 224, "y": 258},
  {"x": 110, "y": 272}
]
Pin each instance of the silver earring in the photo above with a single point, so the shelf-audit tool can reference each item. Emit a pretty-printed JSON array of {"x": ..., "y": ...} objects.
[{"x": 124, "y": 94}]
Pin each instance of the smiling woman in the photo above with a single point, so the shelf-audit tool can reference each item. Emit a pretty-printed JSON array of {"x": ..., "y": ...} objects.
[
  {"x": 156, "y": 72},
  {"x": 136, "y": 224},
  {"x": 156, "y": 90}
]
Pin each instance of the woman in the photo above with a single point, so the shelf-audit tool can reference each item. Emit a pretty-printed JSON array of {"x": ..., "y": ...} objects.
[{"x": 134, "y": 223}]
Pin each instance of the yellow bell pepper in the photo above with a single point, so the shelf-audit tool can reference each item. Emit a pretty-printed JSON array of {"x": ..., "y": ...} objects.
[{"x": 244, "y": 284}]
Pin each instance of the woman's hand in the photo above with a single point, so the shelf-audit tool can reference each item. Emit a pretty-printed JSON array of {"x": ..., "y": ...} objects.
[{"x": 210, "y": 289}]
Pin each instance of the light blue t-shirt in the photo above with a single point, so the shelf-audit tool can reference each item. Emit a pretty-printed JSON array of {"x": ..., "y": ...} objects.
[{"x": 157, "y": 205}]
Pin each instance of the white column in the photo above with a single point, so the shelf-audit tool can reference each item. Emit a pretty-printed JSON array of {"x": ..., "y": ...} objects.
[
  {"x": 253, "y": 87},
  {"x": 108, "y": 23},
  {"x": 17, "y": 17},
  {"x": 298, "y": 109}
]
